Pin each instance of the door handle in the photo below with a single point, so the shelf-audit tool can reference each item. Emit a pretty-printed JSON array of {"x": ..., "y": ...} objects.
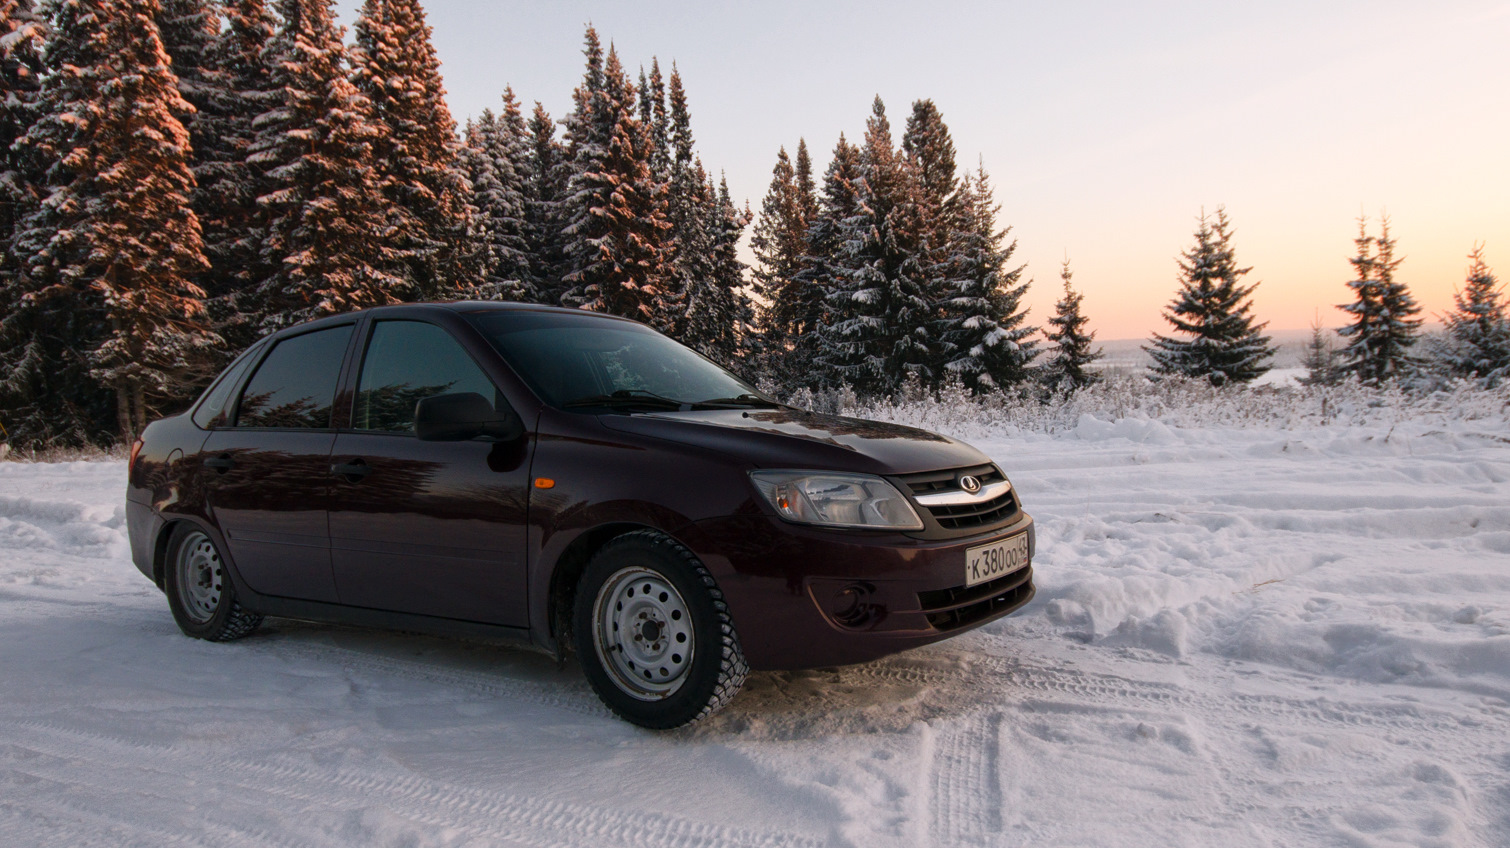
[
  {"x": 353, "y": 471},
  {"x": 221, "y": 464}
]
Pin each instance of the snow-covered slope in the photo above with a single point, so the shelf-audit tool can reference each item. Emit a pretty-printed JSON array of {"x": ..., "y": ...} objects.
[{"x": 1242, "y": 637}]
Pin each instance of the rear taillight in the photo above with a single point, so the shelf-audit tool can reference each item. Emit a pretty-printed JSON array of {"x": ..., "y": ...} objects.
[{"x": 136, "y": 449}]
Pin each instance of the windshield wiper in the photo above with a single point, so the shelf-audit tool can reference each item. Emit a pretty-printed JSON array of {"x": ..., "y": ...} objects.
[
  {"x": 626, "y": 397},
  {"x": 746, "y": 400}
]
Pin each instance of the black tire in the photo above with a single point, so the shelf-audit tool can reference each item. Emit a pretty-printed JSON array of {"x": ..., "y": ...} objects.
[
  {"x": 670, "y": 686},
  {"x": 200, "y": 592}
]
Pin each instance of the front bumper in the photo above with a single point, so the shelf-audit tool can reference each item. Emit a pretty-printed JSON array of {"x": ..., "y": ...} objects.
[{"x": 806, "y": 597}]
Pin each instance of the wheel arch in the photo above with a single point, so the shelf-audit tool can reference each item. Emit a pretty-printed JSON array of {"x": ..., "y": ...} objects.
[{"x": 566, "y": 573}]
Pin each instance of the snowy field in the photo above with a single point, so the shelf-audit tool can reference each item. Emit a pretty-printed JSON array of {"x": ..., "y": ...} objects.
[{"x": 1244, "y": 636}]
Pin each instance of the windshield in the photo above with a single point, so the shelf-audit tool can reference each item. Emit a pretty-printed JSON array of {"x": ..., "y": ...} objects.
[{"x": 584, "y": 362}]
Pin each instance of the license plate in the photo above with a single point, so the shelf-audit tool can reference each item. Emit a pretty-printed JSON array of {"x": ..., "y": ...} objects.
[{"x": 997, "y": 559}]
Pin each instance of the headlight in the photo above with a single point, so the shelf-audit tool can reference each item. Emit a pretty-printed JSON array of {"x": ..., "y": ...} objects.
[{"x": 836, "y": 500}]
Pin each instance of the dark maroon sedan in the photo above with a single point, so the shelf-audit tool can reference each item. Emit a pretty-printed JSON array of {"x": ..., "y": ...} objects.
[{"x": 571, "y": 480}]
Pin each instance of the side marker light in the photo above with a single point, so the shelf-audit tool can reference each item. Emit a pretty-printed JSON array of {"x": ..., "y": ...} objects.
[{"x": 544, "y": 483}]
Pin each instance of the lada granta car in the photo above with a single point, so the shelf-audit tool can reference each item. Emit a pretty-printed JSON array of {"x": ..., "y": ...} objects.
[{"x": 573, "y": 481}]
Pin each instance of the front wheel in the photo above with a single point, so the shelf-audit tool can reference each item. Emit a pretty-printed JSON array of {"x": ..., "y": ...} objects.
[
  {"x": 199, "y": 590},
  {"x": 653, "y": 633}
]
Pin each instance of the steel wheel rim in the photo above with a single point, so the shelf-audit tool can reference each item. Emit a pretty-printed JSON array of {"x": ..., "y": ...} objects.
[
  {"x": 643, "y": 633},
  {"x": 201, "y": 577}
]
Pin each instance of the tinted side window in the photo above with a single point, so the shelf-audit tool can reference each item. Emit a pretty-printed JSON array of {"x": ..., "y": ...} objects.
[
  {"x": 407, "y": 361},
  {"x": 211, "y": 410},
  {"x": 296, "y": 384}
]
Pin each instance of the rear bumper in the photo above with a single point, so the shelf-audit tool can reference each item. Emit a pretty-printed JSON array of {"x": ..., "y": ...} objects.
[
  {"x": 142, "y": 527},
  {"x": 803, "y": 597}
]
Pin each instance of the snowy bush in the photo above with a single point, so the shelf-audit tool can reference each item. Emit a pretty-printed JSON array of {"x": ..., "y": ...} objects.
[{"x": 1172, "y": 402}]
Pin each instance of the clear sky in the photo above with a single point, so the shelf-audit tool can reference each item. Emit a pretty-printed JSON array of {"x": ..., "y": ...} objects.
[{"x": 1105, "y": 126}]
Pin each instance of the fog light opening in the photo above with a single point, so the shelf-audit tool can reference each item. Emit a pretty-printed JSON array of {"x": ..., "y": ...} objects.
[{"x": 851, "y": 606}]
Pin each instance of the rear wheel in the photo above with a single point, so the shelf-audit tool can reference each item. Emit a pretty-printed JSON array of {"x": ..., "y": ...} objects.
[
  {"x": 653, "y": 633},
  {"x": 200, "y": 593}
]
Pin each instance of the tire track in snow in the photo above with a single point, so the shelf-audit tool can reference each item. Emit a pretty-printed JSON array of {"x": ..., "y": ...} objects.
[
  {"x": 572, "y": 696},
  {"x": 965, "y": 781},
  {"x": 1003, "y": 679},
  {"x": 108, "y": 762}
]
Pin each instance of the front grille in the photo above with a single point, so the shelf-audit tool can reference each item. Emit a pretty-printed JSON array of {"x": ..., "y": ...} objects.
[
  {"x": 964, "y": 516},
  {"x": 962, "y": 606}
]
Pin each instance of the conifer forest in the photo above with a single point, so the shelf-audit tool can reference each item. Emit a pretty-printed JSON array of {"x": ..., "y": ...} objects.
[{"x": 180, "y": 177}]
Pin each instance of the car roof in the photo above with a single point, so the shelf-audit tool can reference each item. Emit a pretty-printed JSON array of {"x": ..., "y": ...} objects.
[{"x": 469, "y": 307}]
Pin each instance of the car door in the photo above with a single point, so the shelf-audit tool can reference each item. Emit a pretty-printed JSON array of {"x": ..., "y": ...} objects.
[
  {"x": 433, "y": 528},
  {"x": 267, "y": 473}
]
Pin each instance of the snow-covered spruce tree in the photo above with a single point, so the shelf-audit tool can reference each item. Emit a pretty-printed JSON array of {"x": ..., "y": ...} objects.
[
  {"x": 794, "y": 306},
  {"x": 880, "y": 328},
  {"x": 1223, "y": 345},
  {"x": 947, "y": 226},
  {"x": 690, "y": 214},
  {"x": 22, "y": 32},
  {"x": 498, "y": 195},
  {"x": 228, "y": 185},
  {"x": 326, "y": 223},
  {"x": 985, "y": 335},
  {"x": 545, "y": 182},
  {"x": 124, "y": 240},
  {"x": 617, "y": 226},
  {"x": 1320, "y": 359},
  {"x": 822, "y": 350},
  {"x": 718, "y": 313},
  {"x": 779, "y": 241},
  {"x": 1383, "y": 328},
  {"x": 417, "y": 154},
  {"x": 190, "y": 31},
  {"x": 653, "y": 114},
  {"x": 1476, "y": 344},
  {"x": 807, "y": 190},
  {"x": 49, "y": 322},
  {"x": 1071, "y": 355}
]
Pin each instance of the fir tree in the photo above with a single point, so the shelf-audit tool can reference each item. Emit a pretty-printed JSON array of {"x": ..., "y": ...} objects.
[
  {"x": 947, "y": 220},
  {"x": 807, "y": 191},
  {"x": 1212, "y": 309},
  {"x": 22, "y": 32},
  {"x": 1384, "y": 327},
  {"x": 417, "y": 154},
  {"x": 1072, "y": 354},
  {"x": 983, "y": 336},
  {"x": 780, "y": 245},
  {"x": 545, "y": 184},
  {"x": 228, "y": 184},
  {"x": 490, "y": 156},
  {"x": 794, "y": 304},
  {"x": 49, "y": 323},
  {"x": 325, "y": 219},
  {"x": 118, "y": 239},
  {"x": 654, "y": 116},
  {"x": 822, "y": 352},
  {"x": 617, "y": 226},
  {"x": 1320, "y": 359},
  {"x": 718, "y": 312},
  {"x": 1477, "y": 339},
  {"x": 883, "y": 308},
  {"x": 690, "y": 211}
]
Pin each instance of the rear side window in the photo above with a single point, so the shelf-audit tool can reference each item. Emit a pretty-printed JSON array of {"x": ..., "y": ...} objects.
[
  {"x": 296, "y": 384},
  {"x": 211, "y": 411},
  {"x": 406, "y": 362}
]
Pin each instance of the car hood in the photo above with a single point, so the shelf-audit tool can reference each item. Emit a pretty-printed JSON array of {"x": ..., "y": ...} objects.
[{"x": 791, "y": 438}]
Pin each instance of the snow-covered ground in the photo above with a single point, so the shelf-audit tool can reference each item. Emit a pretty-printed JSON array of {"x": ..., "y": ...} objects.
[{"x": 1243, "y": 637}]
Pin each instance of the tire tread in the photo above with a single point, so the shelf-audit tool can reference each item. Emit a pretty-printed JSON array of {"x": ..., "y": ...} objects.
[{"x": 732, "y": 669}]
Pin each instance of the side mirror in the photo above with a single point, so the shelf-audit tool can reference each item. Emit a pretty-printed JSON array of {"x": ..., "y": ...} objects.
[{"x": 462, "y": 416}]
